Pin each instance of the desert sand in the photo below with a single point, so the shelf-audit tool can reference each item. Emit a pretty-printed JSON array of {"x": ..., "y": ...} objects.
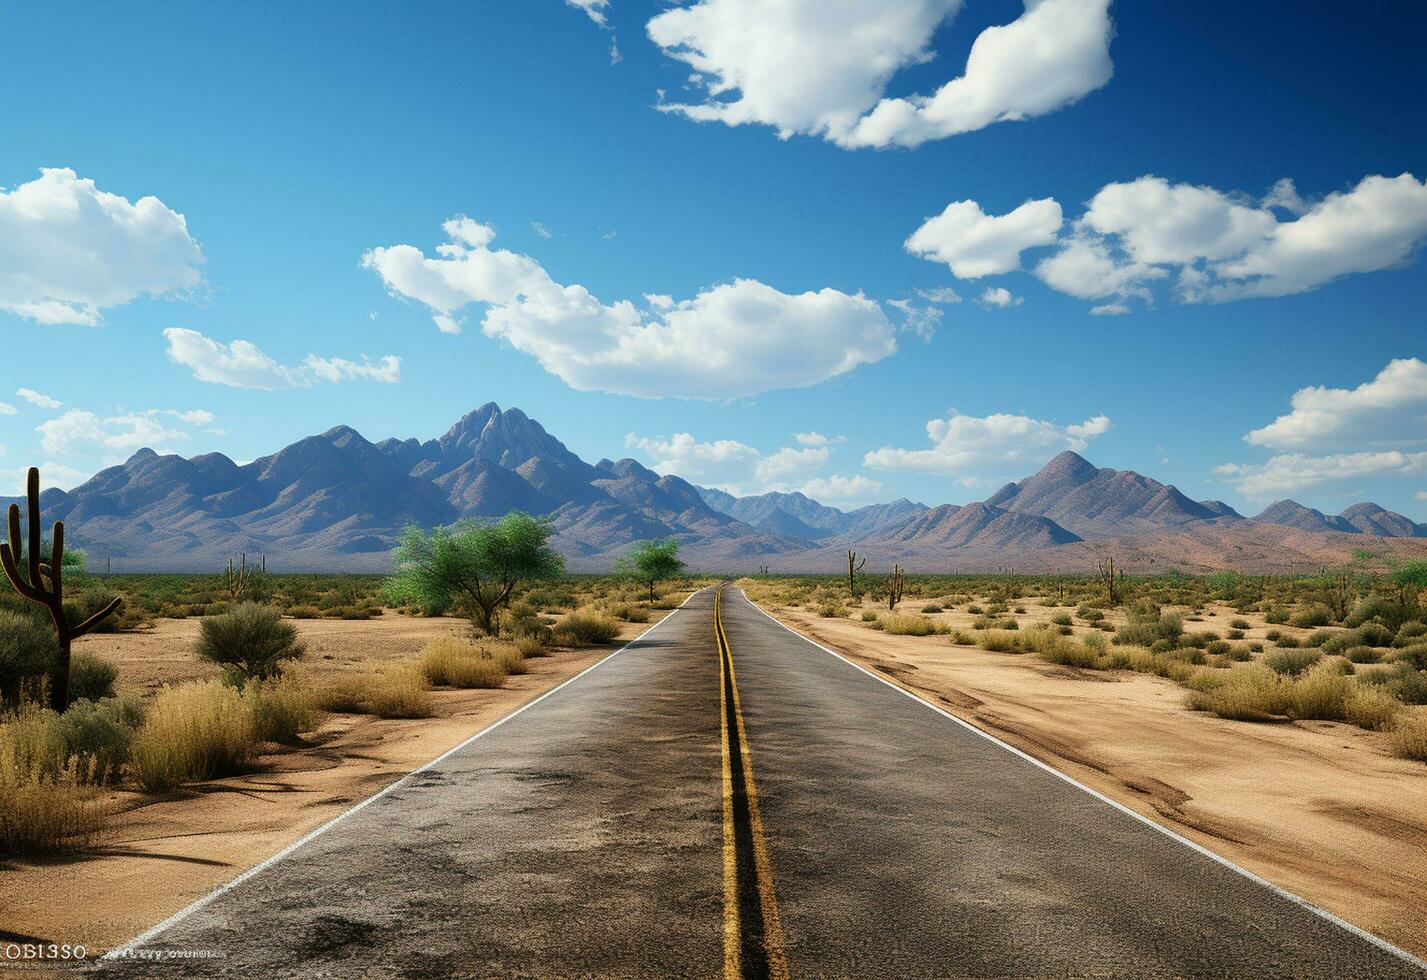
[{"x": 1318, "y": 808}]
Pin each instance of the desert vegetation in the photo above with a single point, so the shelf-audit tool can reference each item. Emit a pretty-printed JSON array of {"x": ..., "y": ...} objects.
[
  {"x": 70, "y": 760},
  {"x": 1347, "y": 646}
]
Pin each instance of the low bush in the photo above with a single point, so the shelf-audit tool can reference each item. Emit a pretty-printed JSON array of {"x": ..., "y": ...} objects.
[
  {"x": 532, "y": 646},
  {"x": 1409, "y": 686},
  {"x": 1372, "y": 708},
  {"x": 27, "y": 653},
  {"x": 868, "y": 616},
  {"x": 1239, "y": 624},
  {"x": 1414, "y": 656},
  {"x": 1146, "y": 623},
  {"x": 1321, "y": 693},
  {"x": 39, "y": 812},
  {"x": 304, "y": 612},
  {"x": 397, "y": 690},
  {"x": 582, "y": 629},
  {"x": 451, "y": 662},
  {"x": 1063, "y": 619},
  {"x": 91, "y": 678},
  {"x": 1291, "y": 662},
  {"x": 832, "y": 610},
  {"x": 932, "y": 607},
  {"x": 249, "y": 641},
  {"x": 1250, "y": 692},
  {"x": 1410, "y": 633},
  {"x": 282, "y": 708},
  {"x": 1363, "y": 655},
  {"x": 997, "y": 641},
  {"x": 1316, "y": 614},
  {"x": 1408, "y": 736},
  {"x": 911, "y": 625},
  {"x": 192, "y": 732}
]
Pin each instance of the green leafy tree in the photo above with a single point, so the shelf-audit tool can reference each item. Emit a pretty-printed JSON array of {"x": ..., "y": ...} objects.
[
  {"x": 652, "y": 562},
  {"x": 482, "y": 565}
]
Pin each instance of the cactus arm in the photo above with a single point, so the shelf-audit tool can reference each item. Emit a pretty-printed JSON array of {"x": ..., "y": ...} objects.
[
  {"x": 12, "y": 572},
  {"x": 97, "y": 618},
  {"x": 56, "y": 570},
  {"x": 33, "y": 493}
]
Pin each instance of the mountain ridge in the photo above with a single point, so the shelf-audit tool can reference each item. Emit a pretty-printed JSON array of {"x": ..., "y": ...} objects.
[{"x": 338, "y": 501}]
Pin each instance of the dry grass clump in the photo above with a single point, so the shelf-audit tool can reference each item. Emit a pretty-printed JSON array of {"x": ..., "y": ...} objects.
[
  {"x": 1408, "y": 736},
  {"x": 1371, "y": 708},
  {"x": 585, "y": 628},
  {"x": 899, "y": 625},
  {"x": 1251, "y": 692},
  {"x": 396, "y": 689},
  {"x": 42, "y": 812},
  {"x": 192, "y": 732},
  {"x": 283, "y": 708},
  {"x": 531, "y": 646}
]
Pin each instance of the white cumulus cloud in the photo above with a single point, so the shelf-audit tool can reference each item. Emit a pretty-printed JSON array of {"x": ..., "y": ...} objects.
[
  {"x": 971, "y": 447},
  {"x": 1291, "y": 472},
  {"x": 68, "y": 250},
  {"x": 975, "y": 244},
  {"x": 1221, "y": 246},
  {"x": 999, "y": 298},
  {"x": 818, "y": 68},
  {"x": 1388, "y": 411},
  {"x": 242, "y": 364},
  {"x": 731, "y": 340},
  {"x": 728, "y": 464},
  {"x": 78, "y": 431},
  {"x": 38, "y": 399}
]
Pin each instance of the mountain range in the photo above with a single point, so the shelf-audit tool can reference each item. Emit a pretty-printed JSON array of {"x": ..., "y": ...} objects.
[{"x": 337, "y": 501}]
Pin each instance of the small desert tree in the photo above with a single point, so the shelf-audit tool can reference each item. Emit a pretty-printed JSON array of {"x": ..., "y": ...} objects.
[
  {"x": 480, "y": 564},
  {"x": 652, "y": 562}
]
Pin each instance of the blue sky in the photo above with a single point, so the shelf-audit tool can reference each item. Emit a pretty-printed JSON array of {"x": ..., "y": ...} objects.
[{"x": 304, "y": 144}]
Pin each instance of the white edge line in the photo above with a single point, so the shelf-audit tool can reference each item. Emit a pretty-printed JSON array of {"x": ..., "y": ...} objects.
[
  {"x": 1377, "y": 941},
  {"x": 123, "y": 952}
]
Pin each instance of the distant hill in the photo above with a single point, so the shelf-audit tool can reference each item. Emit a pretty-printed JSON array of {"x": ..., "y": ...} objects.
[
  {"x": 338, "y": 501},
  {"x": 1363, "y": 518},
  {"x": 1095, "y": 502}
]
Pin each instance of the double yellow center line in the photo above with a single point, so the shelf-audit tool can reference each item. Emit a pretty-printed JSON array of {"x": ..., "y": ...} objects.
[{"x": 752, "y": 935}]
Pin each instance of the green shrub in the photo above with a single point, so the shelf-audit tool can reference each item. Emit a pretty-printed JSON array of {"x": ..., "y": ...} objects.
[
  {"x": 1145, "y": 624},
  {"x": 1291, "y": 662},
  {"x": 1316, "y": 614},
  {"x": 250, "y": 641},
  {"x": 868, "y": 616},
  {"x": 1276, "y": 615},
  {"x": 304, "y": 612},
  {"x": 1371, "y": 607},
  {"x": 1410, "y": 633},
  {"x": 1240, "y": 624},
  {"x": 90, "y": 677},
  {"x": 1414, "y": 656},
  {"x": 1409, "y": 686},
  {"x": 27, "y": 653},
  {"x": 932, "y": 607},
  {"x": 1317, "y": 639}
]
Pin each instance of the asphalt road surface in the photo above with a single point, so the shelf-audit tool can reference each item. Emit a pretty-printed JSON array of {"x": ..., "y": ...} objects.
[{"x": 691, "y": 807}]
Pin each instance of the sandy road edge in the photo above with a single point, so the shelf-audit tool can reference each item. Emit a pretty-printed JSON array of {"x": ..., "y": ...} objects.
[
  {"x": 1377, "y": 941},
  {"x": 127, "y": 949}
]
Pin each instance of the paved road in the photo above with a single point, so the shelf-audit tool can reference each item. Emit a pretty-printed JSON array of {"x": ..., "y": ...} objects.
[{"x": 867, "y": 835}]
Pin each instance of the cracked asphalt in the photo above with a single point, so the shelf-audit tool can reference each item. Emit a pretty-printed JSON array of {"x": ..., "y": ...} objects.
[{"x": 584, "y": 837}]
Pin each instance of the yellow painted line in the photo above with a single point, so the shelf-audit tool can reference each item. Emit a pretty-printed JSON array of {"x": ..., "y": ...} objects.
[
  {"x": 732, "y": 933},
  {"x": 776, "y": 953}
]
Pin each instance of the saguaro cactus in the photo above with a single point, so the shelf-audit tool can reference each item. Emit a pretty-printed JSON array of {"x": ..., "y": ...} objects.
[
  {"x": 895, "y": 585},
  {"x": 854, "y": 564},
  {"x": 44, "y": 584},
  {"x": 1112, "y": 585},
  {"x": 239, "y": 577}
]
